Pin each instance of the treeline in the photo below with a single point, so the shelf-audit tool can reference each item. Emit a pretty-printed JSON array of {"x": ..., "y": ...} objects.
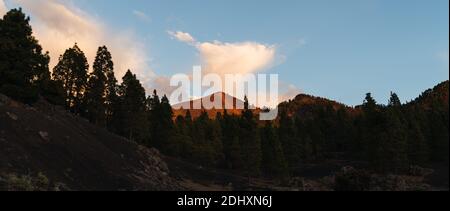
[
  {"x": 389, "y": 138},
  {"x": 122, "y": 108},
  {"x": 385, "y": 138}
]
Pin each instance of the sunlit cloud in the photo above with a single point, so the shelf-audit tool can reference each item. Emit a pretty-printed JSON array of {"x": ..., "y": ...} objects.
[
  {"x": 237, "y": 58},
  {"x": 58, "y": 25},
  {"x": 230, "y": 58},
  {"x": 182, "y": 37},
  {"x": 3, "y": 9}
]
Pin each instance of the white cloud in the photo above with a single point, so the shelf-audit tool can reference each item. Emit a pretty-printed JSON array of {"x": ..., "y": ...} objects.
[
  {"x": 234, "y": 58},
  {"x": 3, "y": 8},
  {"x": 182, "y": 36},
  {"x": 58, "y": 25},
  {"x": 230, "y": 58},
  {"x": 238, "y": 58},
  {"x": 142, "y": 16}
]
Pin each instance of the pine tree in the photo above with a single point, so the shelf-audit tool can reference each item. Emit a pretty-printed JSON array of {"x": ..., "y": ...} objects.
[
  {"x": 230, "y": 140},
  {"x": 395, "y": 149},
  {"x": 161, "y": 121},
  {"x": 250, "y": 141},
  {"x": 180, "y": 144},
  {"x": 216, "y": 142},
  {"x": 24, "y": 72},
  {"x": 289, "y": 139},
  {"x": 418, "y": 149},
  {"x": 373, "y": 133},
  {"x": 439, "y": 136},
  {"x": 273, "y": 161},
  {"x": 111, "y": 89},
  {"x": 394, "y": 101},
  {"x": 203, "y": 150},
  {"x": 154, "y": 101},
  {"x": 165, "y": 123},
  {"x": 72, "y": 72},
  {"x": 345, "y": 131},
  {"x": 131, "y": 114},
  {"x": 97, "y": 88},
  {"x": 369, "y": 105}
]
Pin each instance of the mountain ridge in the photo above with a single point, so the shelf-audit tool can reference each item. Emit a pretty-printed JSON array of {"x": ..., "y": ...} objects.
[{"x": 303, "y": 103}]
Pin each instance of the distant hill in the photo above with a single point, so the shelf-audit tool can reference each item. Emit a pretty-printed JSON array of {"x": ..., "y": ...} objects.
[
  {"x": 227, "y": 101},
  {"x": 435, "y": 96},
  {"x": 303, "y": 104},
  {"x": 300, "y": 105},
  {"x": 46, "y": 143}
]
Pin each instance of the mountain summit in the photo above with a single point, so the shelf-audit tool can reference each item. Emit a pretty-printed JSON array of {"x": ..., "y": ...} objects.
[{"x": 206, "y": 104}]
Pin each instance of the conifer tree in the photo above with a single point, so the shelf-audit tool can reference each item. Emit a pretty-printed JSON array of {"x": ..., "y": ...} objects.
[
  {"x": 180, "y": 142},
  {"x": 395, "y": 149},
  {"x": 161, "y": 120},
  {"x": 394, "y": 145},
  {"x": 288, "y": 136},
  {"x": 394, "y": 101},
  {"x": 132, "y": 110},
  {"x": 72, "y": 72},
  {"x": 418, "y": 148},
  {"x": 24, "y": 72},
  {"x": 250, "y": 141},
  {"x": 273, "y": 161},
  {"x": 97, "y": 88},
  {"x": 230, "y": 139},
  {"x": 373, "y": 132}
]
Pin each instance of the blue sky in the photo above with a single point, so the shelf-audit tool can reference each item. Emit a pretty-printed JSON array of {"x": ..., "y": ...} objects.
[{"x": 335, "y": 49}]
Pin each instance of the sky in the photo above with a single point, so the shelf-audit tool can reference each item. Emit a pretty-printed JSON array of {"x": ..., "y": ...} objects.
[{"x": 334, "y": 49}]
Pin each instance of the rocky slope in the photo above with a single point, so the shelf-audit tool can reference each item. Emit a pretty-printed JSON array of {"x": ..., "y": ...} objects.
[{"x": 45, "y": 148}]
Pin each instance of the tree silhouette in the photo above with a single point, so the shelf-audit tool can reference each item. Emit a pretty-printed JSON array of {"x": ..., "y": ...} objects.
[
  {"x": 161, "y": 118},
  {"x": 273, "y": 161},
  {"x": 101, "y": 89},
  {"x": 287, "y": 134},
  {"x": 24, "y": 70},
  {"x": 131, "y": 113},
  {"x": 251, "y": 142},
  {"x": 72, "y": 72}
]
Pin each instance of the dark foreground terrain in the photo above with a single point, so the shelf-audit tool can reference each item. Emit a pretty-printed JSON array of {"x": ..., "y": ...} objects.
[
  {"x": 328, "y": 175},
  {"x": 46, "y": 148},
  {"x": 43, "y": 147}
]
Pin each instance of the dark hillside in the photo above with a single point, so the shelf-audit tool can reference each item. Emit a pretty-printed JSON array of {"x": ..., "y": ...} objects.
[
  {"x": 435, "y": 96},
  {"x": 49, "y": 143}
]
